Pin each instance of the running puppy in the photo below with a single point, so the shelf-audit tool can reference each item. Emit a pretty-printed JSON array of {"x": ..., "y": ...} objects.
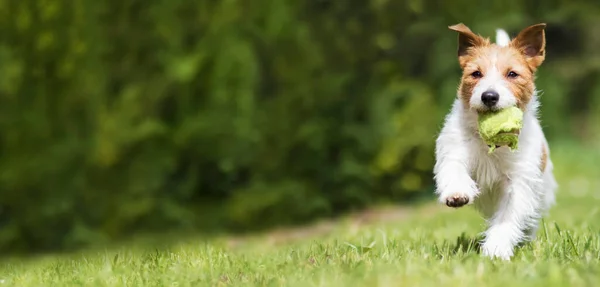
[{"x": 511, "y": 189}]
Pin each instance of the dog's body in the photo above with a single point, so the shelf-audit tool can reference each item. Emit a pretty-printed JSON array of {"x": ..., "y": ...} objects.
[{"x": 512, "y": 190}]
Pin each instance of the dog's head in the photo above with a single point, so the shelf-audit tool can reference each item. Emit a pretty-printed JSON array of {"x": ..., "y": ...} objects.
[{"x": 499, "y": 76}]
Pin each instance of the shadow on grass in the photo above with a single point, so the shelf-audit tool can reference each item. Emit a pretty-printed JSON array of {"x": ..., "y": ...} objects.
[
  {"x": 464, "y": 246},
  {"x": 467, "y": 244}
]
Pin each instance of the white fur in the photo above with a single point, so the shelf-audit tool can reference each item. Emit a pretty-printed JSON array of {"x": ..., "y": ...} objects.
[
  {"x": 508, "y": 188},
  {"x": 502, "y": 38}
]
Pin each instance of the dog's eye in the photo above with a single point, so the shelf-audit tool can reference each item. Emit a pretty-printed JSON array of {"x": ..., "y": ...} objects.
[
  {"x": 476, "y": 74},
  {"x": 512, "y": 74}
]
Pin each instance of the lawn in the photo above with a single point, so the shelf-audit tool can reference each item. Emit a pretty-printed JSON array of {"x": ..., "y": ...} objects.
[{"x": 421, "y": 245}]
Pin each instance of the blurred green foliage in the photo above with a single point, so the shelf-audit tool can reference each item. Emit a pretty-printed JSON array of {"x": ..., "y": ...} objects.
[{"x": 148, "y": 115}]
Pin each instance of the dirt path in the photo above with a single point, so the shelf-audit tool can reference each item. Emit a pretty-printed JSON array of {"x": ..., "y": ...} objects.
[{"x": 354, "y": 221}]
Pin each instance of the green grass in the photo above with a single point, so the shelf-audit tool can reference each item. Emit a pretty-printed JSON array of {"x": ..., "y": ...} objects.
[{"x": 427, "y": 245}]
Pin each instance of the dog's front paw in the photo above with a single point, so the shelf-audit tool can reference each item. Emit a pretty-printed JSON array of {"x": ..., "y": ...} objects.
[
  {"x": 458, "y": 200},
  {"x": 460, "y": 197},
  {"x": 456, "y": 190}
]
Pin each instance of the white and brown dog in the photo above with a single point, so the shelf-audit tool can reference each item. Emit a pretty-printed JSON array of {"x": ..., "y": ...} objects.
[{"x": 512, "y": 189}]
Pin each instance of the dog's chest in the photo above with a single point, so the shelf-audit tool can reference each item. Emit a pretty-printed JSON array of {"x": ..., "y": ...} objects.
[{"x": 490, "y": 171}]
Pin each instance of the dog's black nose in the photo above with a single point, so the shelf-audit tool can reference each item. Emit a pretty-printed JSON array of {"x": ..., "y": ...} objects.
[{"x": 490, "y": 98}]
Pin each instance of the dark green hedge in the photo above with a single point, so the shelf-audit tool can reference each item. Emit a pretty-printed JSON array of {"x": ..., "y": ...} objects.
[{"x": 154, "y": 115}]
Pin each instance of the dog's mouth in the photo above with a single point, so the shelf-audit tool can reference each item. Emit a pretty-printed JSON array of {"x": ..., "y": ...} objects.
[
  {"x": 493, "y": 109},
  {"x": 482, "y": 110}
]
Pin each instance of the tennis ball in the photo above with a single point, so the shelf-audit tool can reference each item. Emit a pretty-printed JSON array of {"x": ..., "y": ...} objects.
[{"x": 501, "y": 128}]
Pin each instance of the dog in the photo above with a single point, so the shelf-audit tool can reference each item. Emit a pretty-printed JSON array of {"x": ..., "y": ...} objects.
[{"x": 512, "y": 190}]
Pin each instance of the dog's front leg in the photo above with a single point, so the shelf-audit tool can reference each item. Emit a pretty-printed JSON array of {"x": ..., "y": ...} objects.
[
  {"x": 454, "y": 185},
  {"x": 518, "y": 211}
]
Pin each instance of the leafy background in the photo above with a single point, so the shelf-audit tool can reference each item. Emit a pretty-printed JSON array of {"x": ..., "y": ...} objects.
[{"x": 119, "y": 117}]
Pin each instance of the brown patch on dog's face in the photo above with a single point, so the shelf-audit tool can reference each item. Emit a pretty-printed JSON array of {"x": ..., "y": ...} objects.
[
  {"x": 471, "y": 48},
  {"x": 544, "y": 158},
  {"x": 468, "y": 82},
  {"x": 518, "y": 77}
]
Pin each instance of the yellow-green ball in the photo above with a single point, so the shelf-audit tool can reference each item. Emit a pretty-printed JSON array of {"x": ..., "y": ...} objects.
[{"x": 501, "y": 128}]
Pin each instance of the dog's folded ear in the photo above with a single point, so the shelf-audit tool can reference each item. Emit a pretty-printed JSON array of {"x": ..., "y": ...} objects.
[
  {"x": 531, "y": 41},
  {"x": 466, "y": 38}
]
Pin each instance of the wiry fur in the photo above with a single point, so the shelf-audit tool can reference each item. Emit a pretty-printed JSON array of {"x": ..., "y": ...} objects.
[{"x": 512, "y": 190}]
